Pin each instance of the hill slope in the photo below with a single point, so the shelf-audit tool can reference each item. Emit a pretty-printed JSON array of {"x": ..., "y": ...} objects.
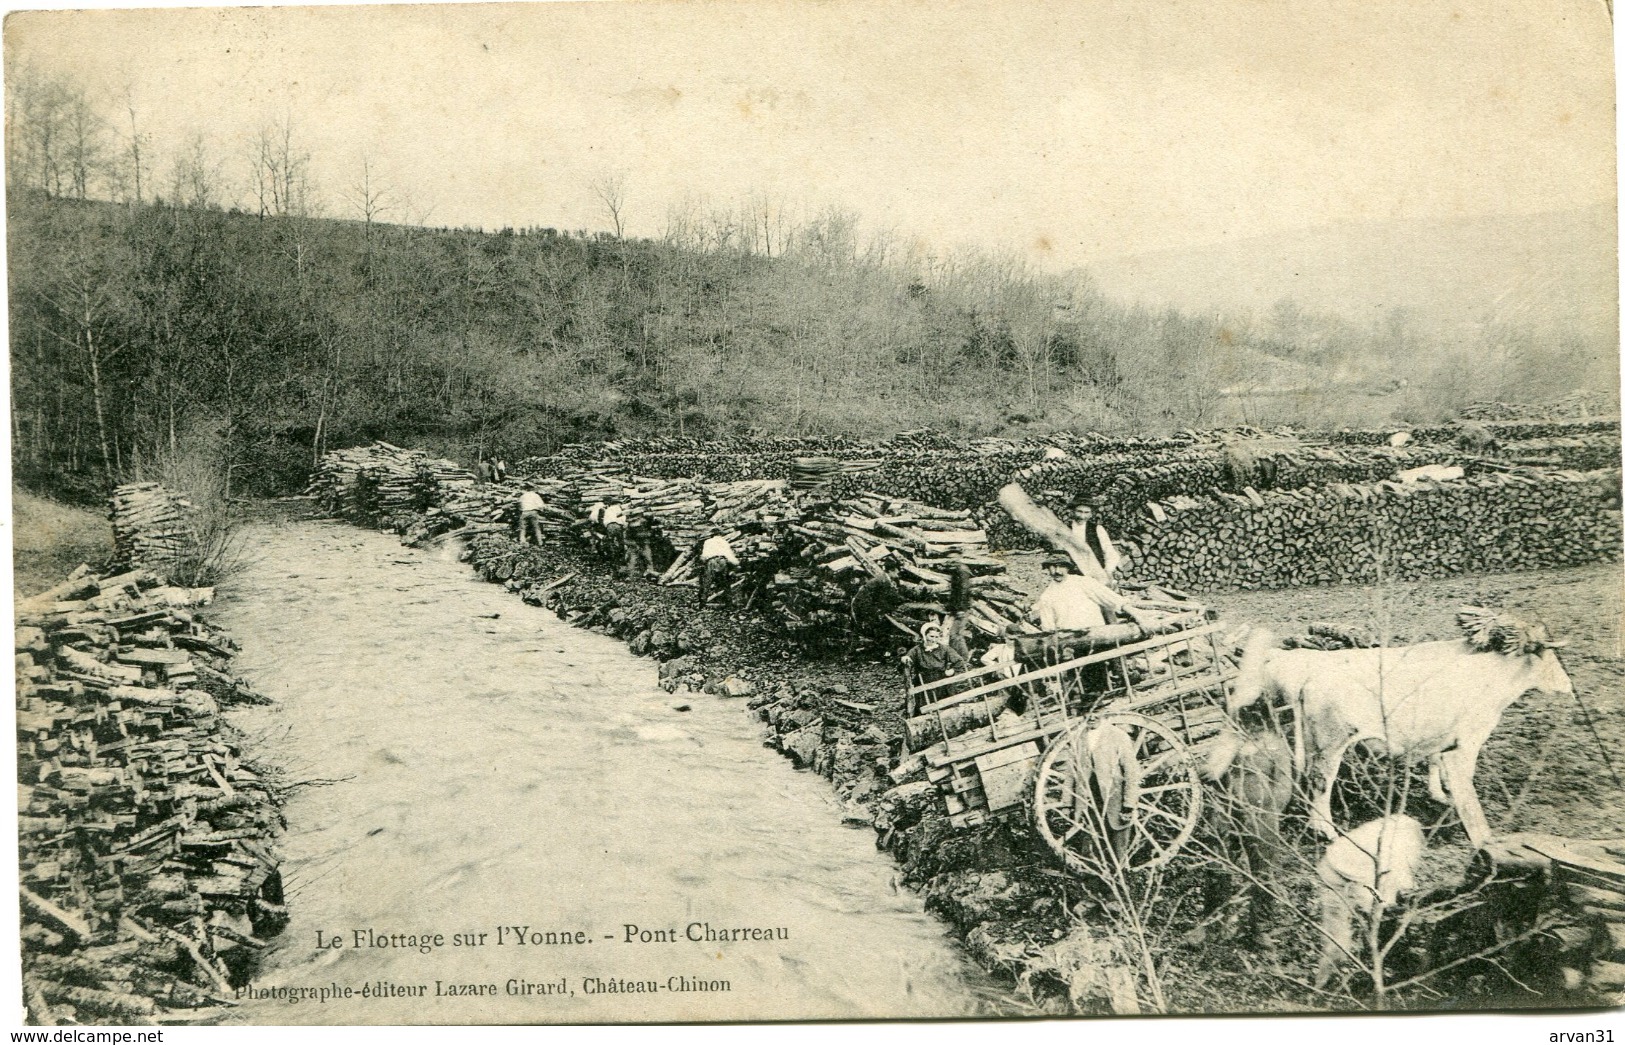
[{"x": 257, "y": 343}]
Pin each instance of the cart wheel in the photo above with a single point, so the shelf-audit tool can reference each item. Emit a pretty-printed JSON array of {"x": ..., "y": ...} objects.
[{"x": 1068, "y": 813}]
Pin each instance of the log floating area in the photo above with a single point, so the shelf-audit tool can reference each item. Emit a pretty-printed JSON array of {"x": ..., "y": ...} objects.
[{"x": 149, "y": 878}]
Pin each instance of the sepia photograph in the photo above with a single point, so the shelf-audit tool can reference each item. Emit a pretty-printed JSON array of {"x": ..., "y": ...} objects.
[{"x": 772, "y": 511}]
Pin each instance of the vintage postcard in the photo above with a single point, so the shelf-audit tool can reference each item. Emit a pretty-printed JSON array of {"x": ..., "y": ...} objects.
[{"x": 655, "y": 512}]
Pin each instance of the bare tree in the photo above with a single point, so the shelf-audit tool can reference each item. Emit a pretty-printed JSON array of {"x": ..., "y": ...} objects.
[
  {"x": 36, "y": 129},
  {"x": 370, "y": 196},
  {"x": 768, "y": 226},
  {"x": 132, "y": 167},
  {"x": 195, "y": 176},
  {"x": 83, "y": 301},
  {"x": 281, "y": 171},
  {"x": 84, "y": 144},
  {"x": 610, "y": 188}
]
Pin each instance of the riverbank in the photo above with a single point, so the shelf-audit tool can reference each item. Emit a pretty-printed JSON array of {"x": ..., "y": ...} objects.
[{"x": 841, "y": 717}]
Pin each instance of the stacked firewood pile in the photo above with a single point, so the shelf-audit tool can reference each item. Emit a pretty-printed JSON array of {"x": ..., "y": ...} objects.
[
  {"x": 1505, "y": 431},
  {"x": 366, "y": 482},
  {"x": 679, "y": 507},
  {"x": 839, "y": 546},
  {"x": 1345, "y": 533},
  {"x": 148, "y": 880},
  {"x": 814, "y": 473},
  {"x": 809, "y": 551},
  {"x": 152, "y": 526},
  {"x": 750, "y": 514},
  {"x": 495, "y": 506},
  {"x": 1195, "y": 512},
  {"x": 1124, "y": 498},
  {"x": 1582, "y": 453},
  {"x": 910, "y": 465},
  {"x": 438, "y": 479},
  {"x": 1579, "y": 405}
]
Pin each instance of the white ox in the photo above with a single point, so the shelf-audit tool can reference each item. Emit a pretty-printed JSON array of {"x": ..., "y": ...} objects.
[{"x": 1437, "y": 700}]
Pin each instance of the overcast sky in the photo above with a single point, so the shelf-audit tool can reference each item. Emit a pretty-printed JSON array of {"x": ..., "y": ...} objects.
[{"x": 1071, "y": 130}]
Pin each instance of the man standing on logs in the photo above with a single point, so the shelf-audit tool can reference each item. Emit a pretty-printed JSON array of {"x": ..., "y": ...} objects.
[
  {"x": 717, "y": 565},
  {"x": 530, "y": 514},
  {"x": 1073, "y": 602}
]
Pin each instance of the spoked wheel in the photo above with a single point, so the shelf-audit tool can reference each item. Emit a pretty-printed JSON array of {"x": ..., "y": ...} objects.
[{"x": 1073, "y": 807}]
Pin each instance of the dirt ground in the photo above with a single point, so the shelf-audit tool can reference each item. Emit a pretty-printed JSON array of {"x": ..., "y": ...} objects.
[{"x": 49, "y": 539}]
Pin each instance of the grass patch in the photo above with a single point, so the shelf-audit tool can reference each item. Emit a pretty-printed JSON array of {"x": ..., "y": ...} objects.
[{"x": 50, "y": 538}]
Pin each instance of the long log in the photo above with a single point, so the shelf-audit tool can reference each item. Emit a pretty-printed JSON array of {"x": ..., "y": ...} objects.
[
  {"x": 933, "y": 727},
  {"x": 1045, "y": 524}
]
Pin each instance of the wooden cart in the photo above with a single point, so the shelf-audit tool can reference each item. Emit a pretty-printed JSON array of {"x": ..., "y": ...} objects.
[{"x": 998, "y": 746}]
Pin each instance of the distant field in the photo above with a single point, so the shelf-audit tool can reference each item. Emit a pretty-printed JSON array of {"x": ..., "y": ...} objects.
[{"x": 49, "y": 539}]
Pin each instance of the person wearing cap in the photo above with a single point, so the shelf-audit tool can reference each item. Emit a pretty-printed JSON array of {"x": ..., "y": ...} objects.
[
  {"x": 530, "y": 514},
  {"x": 932, "y": 659},
  {"x": 1073, "y": 602},
  {"x": 717, "y": 564}
]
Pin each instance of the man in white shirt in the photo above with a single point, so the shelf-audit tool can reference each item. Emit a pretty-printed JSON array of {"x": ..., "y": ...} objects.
[
  {"x": 614, "y": 518},
  {"x": 594, "y": 528},
  {"x": 530, "y": 514},
  {"x": 1002, "y": 654},
  {"x": 717, "y": 563},
  {"x": 1073, "y": 602}
]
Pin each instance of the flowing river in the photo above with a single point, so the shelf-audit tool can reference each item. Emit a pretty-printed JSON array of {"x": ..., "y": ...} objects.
[{"x": 485, "y": 774}]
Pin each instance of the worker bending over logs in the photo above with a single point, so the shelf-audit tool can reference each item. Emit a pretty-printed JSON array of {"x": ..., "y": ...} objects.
[
  {"x": 614, "y": 523},
  {"x": 593, "y": 528},
  {"x": 530, "y": 514},
  {"x": 717, "y": 566},
  {"x": 874, "y": 604}
]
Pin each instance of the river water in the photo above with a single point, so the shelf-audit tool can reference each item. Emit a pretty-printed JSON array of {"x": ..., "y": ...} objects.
[{"x": 482, "y": 771}]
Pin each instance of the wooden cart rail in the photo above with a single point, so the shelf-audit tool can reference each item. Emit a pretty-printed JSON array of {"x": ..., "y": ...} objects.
[
  {"x": 1178, "y": 625},
  {"x": 1055, "y": 670}
]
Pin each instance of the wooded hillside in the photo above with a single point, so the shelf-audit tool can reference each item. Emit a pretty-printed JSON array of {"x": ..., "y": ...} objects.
[{"x": 143, "y": 330}]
